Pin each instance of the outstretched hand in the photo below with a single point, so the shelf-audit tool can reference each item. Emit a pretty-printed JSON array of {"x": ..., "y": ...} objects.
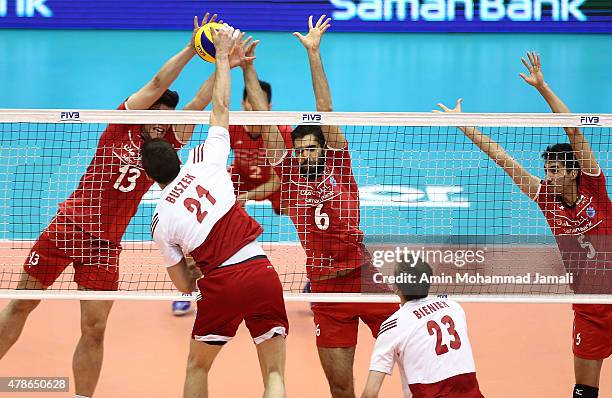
[
  {"x": 312, "y": 40},
  {"x": 225, "y": 39},
  {"x": 197, "y": 25},
  {"x": 536, "y": 77},
  {"x": 456, "y": 109},
  {"x": 243, "y": 54}
]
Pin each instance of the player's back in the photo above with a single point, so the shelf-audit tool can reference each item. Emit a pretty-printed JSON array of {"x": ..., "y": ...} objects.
[
  {"x": 429, "y": 340},
  {"x": 197, "y": 212}
]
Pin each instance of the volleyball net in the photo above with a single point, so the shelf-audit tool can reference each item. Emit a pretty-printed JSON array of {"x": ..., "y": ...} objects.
[{"x": 425, "y": 191}]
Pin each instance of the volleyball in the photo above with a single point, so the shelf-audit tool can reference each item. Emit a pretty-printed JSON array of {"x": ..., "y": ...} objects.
[{"x": 203, "y": 41}]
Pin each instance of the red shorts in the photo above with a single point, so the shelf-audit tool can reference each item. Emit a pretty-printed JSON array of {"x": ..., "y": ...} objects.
[
  {"x": 592, "y": 331},
  {"x": 95, "y": 261},
  {"x": 359, "y": 279},
  {"x": 337, "y": 323},
  {"x": 249, "y": 291},
  {"x": 460, "y": 386}
]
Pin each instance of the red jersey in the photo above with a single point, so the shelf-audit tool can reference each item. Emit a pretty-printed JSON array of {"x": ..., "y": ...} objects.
[
  {"x": 325, "y": 212},
  {"x": 110, "y": 191},
  {"x": 583, "y": 232},
  {"x": 250, "y": 167}
]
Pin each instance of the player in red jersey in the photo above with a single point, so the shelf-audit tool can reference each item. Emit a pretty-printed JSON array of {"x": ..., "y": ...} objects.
[
  {"x": 197, "y": 214},
  {"x": 254, "y": 178},
  {"x": 321, "y": 196},
  {"x": 89, "y": 225},
  {"x": 428, "y": 339},
  {"x": 574, "y": 199}
]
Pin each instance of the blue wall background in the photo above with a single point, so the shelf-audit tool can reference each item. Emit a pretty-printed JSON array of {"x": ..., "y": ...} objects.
[
  {"x": 73, "y": 69},
  {"x": 367, "y": 72}
]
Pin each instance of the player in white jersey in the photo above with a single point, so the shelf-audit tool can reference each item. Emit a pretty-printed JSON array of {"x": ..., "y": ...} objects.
[
  {"x": 197, "y": 215},
  {"x": 428, "y": 339}
]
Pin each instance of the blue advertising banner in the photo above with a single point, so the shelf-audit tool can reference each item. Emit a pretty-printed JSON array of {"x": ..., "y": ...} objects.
[{"x": 348, "y": 15}]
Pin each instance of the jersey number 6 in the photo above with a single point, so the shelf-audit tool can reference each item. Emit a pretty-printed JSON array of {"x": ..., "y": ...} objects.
[
  {"x": 192, "y": 204},
  {"x": 321, "y": 218}
]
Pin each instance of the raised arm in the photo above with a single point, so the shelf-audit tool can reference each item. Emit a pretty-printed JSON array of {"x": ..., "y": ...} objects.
[
  {"x": 527, "y": 182},
  {"x": 312, "y": 41},
  {"x": 224, "y": 40},
  {"x": 147, "y": 95},
  {"x": 579, "y": 143},
  {"x": 262, "y": 191},
  {"x": 273, "y": 139},
  {"x": 204, "y": 95}
]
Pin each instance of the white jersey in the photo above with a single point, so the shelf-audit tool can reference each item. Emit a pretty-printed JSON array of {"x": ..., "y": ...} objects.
[
  {"x": 428, "y": 338},
  {"x": 191, "y": 206}
]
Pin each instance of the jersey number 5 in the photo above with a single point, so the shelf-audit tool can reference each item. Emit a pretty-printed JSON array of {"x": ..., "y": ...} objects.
[
  {"x": 194, "y": 205},
  {"x": 433, "y": 327},
  {"x": 585, "y": 244}
]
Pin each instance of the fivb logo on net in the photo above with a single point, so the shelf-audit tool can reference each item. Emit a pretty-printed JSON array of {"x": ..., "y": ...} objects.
[
  {"x": 447, "y": 10},
  {"x": 589, "y": 120},
  {"x": 70, "y": 116},
  {"x": 311, "y": 118}
]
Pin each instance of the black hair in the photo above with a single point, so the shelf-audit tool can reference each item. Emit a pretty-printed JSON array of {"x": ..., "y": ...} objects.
[
  {"x": 307, "y": 129},
  {"x": 418, "y": 287},
  {"x": 563, "y": 153},
  {"x": 160, "y": 161},
  {"x": 265, "y": 86},
  {"x": 169, "y": 98}
]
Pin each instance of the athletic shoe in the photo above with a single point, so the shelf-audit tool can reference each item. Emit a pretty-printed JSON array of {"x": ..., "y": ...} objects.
[{"x": 180, "y": 308}]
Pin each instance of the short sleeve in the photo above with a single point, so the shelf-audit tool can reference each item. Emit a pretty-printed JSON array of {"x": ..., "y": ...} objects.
[
  {"x": 340, "y": 160},
  {"x": 215, "y": 150},
  {"x": 171, "y": 253},
  {"x": 594, "y": 183},
  {"x": 543, "y": 197},
  {"x": 115, "y": 131},
  {"x": 340, "y": 157},
  {"x": 383, "y": 356},
  {"x": 285, "y": 168},
  {"x": 286, "y": 133}
]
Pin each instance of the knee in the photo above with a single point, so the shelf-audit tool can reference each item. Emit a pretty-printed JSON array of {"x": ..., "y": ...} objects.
[
  {"x": 274, "y": 375},
  {"x": 342, "y": 389},
  {"x": 196, "y": 363},
  {"x": 93, "y": 330},
  {"x": 23, "y": 307}
]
